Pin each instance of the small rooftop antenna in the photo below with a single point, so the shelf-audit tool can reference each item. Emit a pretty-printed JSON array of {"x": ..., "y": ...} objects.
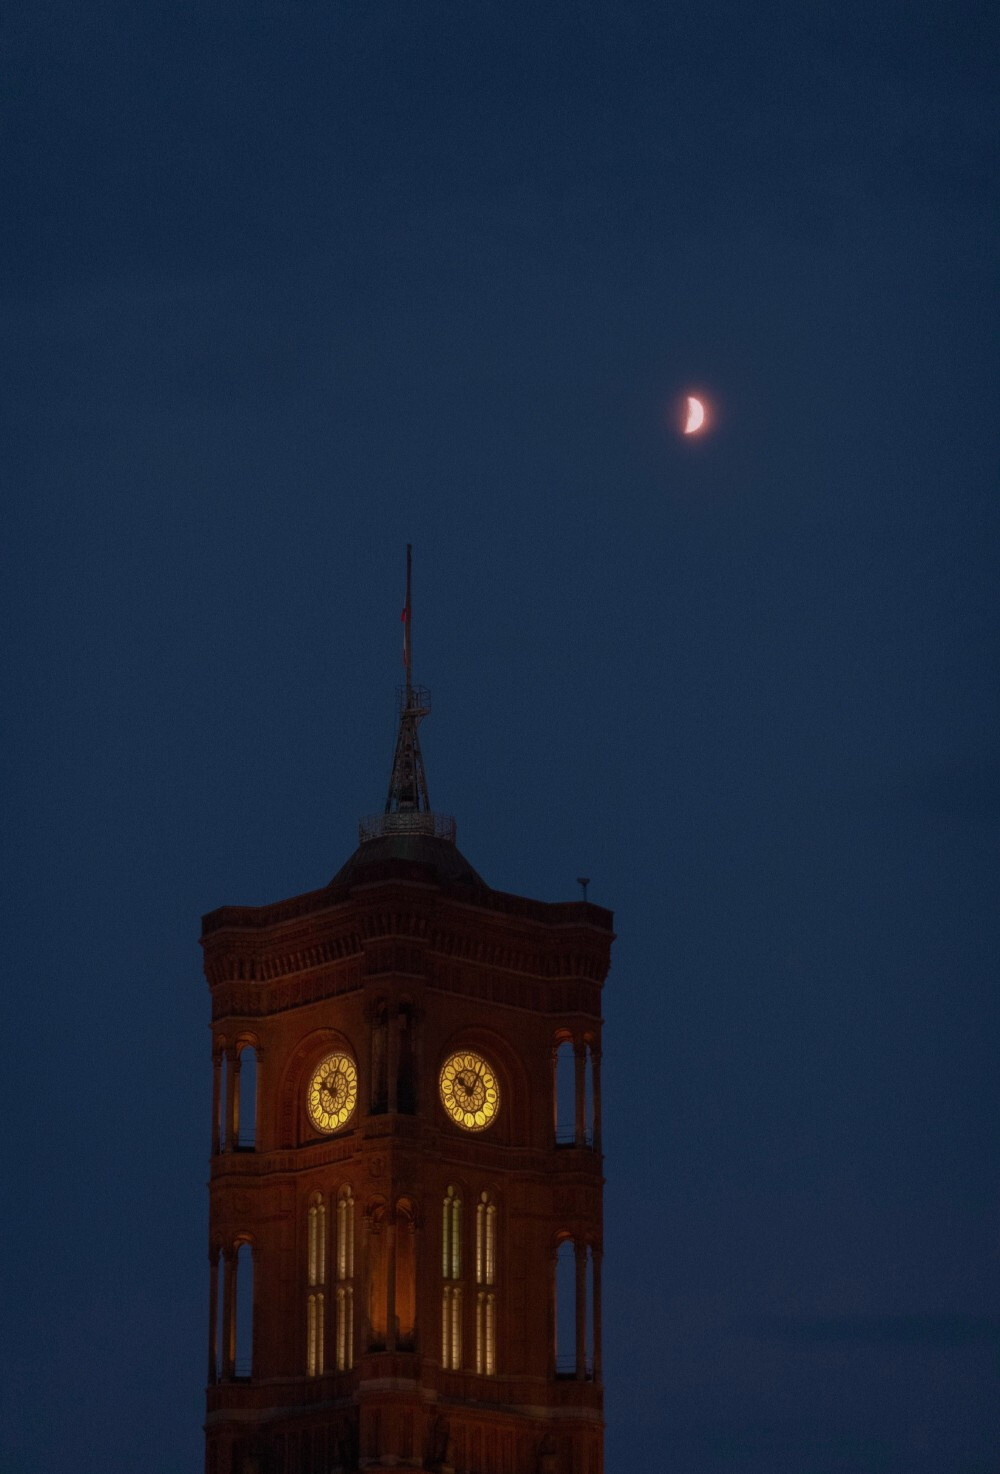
[{"x": 583, "y": 881}]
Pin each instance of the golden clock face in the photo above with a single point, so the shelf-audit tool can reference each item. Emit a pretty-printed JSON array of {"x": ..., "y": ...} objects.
[
  {"x": 469, "y": 1090},
  {"x": 333, "y": 1092}
]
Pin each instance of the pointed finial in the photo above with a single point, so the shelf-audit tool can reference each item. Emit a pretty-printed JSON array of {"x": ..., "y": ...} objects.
[
  {"x": 408, "y": 806},
  {"x": 408, "y": 624}
]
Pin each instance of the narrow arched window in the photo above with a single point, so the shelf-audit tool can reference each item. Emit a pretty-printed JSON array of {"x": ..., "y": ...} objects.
[
  {"x": 246, "y": 1098},
  {"x": 486, "y": 1278},
  {"x": 243, "y": 1304},
  {"x": 316, "y": 1279},
  {"x": 451, "y": 1272},
  {"x": 345, "y": 1280},
  {"x": 565, "y": 1308},
  {"x": 451, "y": 1235}
]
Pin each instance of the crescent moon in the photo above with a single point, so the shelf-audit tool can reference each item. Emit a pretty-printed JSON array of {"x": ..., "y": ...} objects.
[{"x": 695, "y": 415}]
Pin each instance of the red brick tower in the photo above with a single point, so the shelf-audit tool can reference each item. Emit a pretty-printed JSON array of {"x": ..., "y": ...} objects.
[{"x": 405, "y": 1239}]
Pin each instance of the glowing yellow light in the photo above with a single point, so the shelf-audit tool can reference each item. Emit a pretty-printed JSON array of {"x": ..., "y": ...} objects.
[
  {"x": 332, "y": 1093},
  {"x": 469, "y": 1091}
]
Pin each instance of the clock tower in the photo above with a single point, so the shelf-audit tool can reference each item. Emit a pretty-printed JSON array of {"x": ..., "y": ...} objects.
[{"x": 405, "y": 1200}]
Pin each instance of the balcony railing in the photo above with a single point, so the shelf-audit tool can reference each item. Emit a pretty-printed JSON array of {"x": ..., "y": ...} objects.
[{"x": 377, "y": 826}]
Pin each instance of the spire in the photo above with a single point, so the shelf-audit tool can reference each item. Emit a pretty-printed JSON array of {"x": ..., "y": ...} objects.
[{"x": 407, "y": 806}]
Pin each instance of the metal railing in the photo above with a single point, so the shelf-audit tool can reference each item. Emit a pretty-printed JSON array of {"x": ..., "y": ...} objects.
[
  {"x": 566, "y": 1135},
  {"x": 377, "y": 826}
]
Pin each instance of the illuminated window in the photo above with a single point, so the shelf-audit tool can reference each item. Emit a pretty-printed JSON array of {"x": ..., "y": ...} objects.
[
  {"x": 451, "y": 1273},
  {"x": 316, "y": 1278},
  {"x": 345, "y": 1280},
  {"x": 486, "y": 1272},
  {"x": 451, "y": 1236},
  {"x": 451, "y": 1328},
  {"x": 486, "y": 1339}
]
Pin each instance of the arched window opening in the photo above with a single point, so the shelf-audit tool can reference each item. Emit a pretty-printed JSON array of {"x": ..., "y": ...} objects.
[
  {"x": 314, "y": 1334},
  {"x": 406, "y": 1278},
  {"x": 406, "y": 1091},
  {"x": 451, "y": 1235},
  {"x": 317, "y": 1241},
  {"x": 565, "y": 1094},
  {"x": 486, "y": 1275},
  {"x": 486, "y": 1338},
  {"x": 380, "y": 1059},
  {"x": 451, "y": 1273},
  {"x": 451, "y": 1328},
  {"x": 316, "y": 1277},
  {"x": 565, "y": 1317},
  {"x": 243, "y": 1298},
  {"x": 486, "y": 1240},
  {"x": 246, "y": 1098},
  {"x": 345, "y": 1280},
  {"x": 377, "y": 1279}
]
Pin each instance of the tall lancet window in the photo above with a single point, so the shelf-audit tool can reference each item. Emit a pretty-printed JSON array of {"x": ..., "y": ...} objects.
[
  {"x": 345, "y": 1280},
  {"x": 486, "y": 1278},
  {"x": 451, "y": 1273},
  {"x": 316, "y": 1279}
]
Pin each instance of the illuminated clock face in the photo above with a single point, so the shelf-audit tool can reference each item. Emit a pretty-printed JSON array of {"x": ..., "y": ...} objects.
[
  {"x": 333, "y": 1092},
  {"x": 469, "y": 1090}
]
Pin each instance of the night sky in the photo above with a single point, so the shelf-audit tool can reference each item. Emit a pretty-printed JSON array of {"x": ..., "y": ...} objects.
[{"x": 288, "y": 284}]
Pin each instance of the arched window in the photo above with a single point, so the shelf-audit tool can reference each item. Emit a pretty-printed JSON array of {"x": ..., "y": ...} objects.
[
  {"x": 243, "y": 1304},
  {"x": 451, "y": 1235},
  {"x": 345, "y": 1280},
  {"x": 565, "y": 1317},
  {"x": 486, "y": 1278},
  {"x": 380, "y": 1059},
  {"x": 451, "y": 1273},
  {"x": 246, "y": 1098},
  {"x": 316, "y": 1277},
  {"x": 564, "y": 1085}
]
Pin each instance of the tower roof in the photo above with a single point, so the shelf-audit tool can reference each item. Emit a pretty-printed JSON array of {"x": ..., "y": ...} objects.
[{"x": 398, "y": 853}]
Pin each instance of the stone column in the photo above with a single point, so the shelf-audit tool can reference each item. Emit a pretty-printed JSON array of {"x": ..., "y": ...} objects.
[
  {"x": 228, "y": 1314},
  {"x": 232, "y": 1099},
  {"x": 595, "y": 1065},
  {"x": 596, "y": 1252},
  {"x": 555, "y": 1093},
  {"x": 213, "y": 1317},
  {"x": 390, "y": 1285},
  {"x": 217, "y": 1129},
  {"x": 580, "y": 1250}
]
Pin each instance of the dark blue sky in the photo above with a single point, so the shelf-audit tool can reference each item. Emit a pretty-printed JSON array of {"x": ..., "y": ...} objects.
[{"x": 289, "y": 284}]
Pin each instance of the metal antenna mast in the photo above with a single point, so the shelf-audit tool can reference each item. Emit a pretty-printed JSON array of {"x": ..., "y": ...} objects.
[{"x": 408, "y": 806}]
